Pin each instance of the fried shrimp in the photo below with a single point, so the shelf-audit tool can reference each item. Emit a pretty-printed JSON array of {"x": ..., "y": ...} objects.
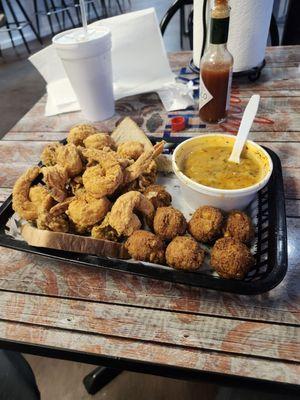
[
  {"x": 122, "y": 218},
  {"x": 49, "y": 155},
  {"x": 68, "y": 156},
  {"x": 104, "y": 178},
  {"x": 206, "y": 224},
  {"x": 41, "y": 198},
  {"x": 132, "y": 150},
  {"x": 99, "y": 141},
  {"x": 158, "y": 196},
  {"x": 239, "y": 226},
  {"x": 145, "y": 246},
  {"x": 52, "y": 222},
  {"x": 62, "y": 207},
  {"x": 142, "y": 163},
  {"x": 79, "y": 133},
  {"x": 231, "y": 258},
  {"x": 21, "y": 202},
  {"x": 184, "y": 253},
  {"x": 56, "y": 177},
  {"x": 85, "y": 211}
]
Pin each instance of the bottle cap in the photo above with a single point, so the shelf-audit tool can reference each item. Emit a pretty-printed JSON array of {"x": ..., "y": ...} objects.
[{"x": 178, "y": 124}]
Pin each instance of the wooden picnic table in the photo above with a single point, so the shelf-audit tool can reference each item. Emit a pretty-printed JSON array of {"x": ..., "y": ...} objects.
[{"x": 109, "y": 318}]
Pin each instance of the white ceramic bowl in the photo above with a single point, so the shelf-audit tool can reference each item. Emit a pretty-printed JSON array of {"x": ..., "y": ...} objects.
[{"x": 197, "y": 195}]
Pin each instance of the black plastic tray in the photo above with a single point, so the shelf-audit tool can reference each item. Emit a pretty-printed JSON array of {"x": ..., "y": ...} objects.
[{"x": 270, "y": 254}]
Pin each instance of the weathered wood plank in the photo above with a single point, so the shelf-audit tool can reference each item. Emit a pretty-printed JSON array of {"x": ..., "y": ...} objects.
[
  {"x": 292, "y": 207},
  {"x": 198, "y": 360},
  {"x": 193, "y": 331},
  {"x": 45, "y": 137},
  {"x": 31, "y": 274},
  {"x": 9, "y": 173},
  {"x": 282, "y": 112}
]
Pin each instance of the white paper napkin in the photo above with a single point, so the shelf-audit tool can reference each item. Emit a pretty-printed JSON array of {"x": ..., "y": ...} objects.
[{"x": 139, "y": 59}]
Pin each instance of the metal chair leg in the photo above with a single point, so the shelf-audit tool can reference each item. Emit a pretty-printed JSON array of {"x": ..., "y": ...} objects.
[
  {"x": 47, "y": 9},
  {"x": 119, "y": 5},
  {"x": 68, "y": 13},
  {"x": 37, "y": 20},
  {"x": 95, "y": 10},
  {"x": 104, "y": 7},
  {"x": 99, "y": 378},
  {"x": 29, "y": 21},
  {"x": 16, "y": 22},
  {"x": 53, "y": 6}
]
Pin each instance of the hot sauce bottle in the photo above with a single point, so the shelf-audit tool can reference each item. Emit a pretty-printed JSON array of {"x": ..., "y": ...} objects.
[{"x": 216, "y": 67}]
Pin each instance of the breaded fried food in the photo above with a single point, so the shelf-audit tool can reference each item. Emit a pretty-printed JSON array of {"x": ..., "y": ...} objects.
[
  {"x": 50, "y": 222},
  {"x": 206, "y": 224},
  {"x": 184, "y": 253},
  {"x": 49, "y": 155},
  {"x": 40, "y": 197},
  {"x": 79, "y": 133},
  {"x": 169, "y": 222},
  {"x": 145, "y": 246},
  {"x": 21, "y": 202},
  {"x": 85, "y": 211},
  {"x": 123, "y": 218},
  {"x": 68, "y": 156},
  {"x": 99, "y": 141},
  {"x": 158, "y": 196},
  {"x": 231, "y": 259},
  {"x": 56, "y": 178},
  {"x": 148, "y": 177},
  {"x": 239, "y": 226},
  {"x": 132, "y": 150}
]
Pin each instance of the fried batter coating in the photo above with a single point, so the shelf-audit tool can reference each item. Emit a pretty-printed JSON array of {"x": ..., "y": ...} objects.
[
  {"x": 184, "y": 253},
  {"x": 79, "y": 133},
  {"x": 231, "y": 259},
  {"x": 239, "y": 226},
  {"x": 169, "y": 222},
  {"x": 145, "y": 246},
  {"x": 158, "y": 196},
  {"x": 76, "y": 185},
  {"x": 122, "y": 218},
  {"x": 86, "y": 211},
  {"x": 104, "y": 231},
  {"x": 131, "y": 149},
  {"x": 148, "y": 177},
  {"x": 41, "y": 198},
  {"x": 55, "y": 178},
  {"x": 49, "y": 155},
  {"x": 68, "y": 156},
  {"x": 206, "y": 224},
  {"x": 55, "y": 223},
  {"x": 21, "y": 201},
  {"x": 142, "y": 163},
  {"x": 99, "y": 141}
]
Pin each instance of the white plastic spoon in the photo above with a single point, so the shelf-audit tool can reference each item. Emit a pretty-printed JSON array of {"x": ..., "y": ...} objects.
[{"x": 244, "y": 129}]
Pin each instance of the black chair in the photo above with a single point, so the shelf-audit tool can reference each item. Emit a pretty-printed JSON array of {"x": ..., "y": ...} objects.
[
  {"x": 52, "y": 8},
  {"x": 14, "y": 24},
  {"x": 291, "y": 31}
]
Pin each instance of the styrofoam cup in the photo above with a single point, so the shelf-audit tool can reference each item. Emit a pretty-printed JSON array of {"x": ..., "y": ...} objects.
[{"x": 87, "y": 62}]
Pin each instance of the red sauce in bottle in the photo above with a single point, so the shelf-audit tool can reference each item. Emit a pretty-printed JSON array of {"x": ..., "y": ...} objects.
[
  {"x": 216, "y": 68},
  {"x": 216, "y": 82}
]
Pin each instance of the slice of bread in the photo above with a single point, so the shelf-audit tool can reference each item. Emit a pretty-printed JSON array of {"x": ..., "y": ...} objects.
[
  {"x": 128, "y": 130},
  {"x": 69, "y": 242}
]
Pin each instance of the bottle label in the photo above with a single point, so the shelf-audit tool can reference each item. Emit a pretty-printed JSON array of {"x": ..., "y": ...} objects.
[
  {"x": 204, "y": 94},
  {"x": 219, "y": 30}
]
